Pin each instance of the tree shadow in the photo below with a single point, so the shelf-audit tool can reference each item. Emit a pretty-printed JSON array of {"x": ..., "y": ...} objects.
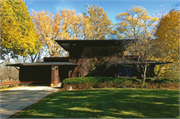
[{"x": 105, "y": 103}]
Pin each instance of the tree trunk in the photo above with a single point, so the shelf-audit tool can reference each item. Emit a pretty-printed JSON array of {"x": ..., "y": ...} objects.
[
  {"x": 33, "y": 58},
  {"x": 144, "y": 76},
  {"x": 24, "y": 59},
  {"x": 159, "y": 71}
]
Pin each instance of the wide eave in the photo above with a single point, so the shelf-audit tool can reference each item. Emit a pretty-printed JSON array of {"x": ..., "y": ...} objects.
[
  {"x": 137, "y": 62},
  {"x": 44, "y": 64},
  {"x": 72, "y": 44}
]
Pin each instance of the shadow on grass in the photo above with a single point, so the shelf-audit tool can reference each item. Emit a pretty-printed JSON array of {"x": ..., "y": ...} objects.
[{"x": 106, "y": 103}]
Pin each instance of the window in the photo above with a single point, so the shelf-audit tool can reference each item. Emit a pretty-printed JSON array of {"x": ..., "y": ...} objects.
[{"x": 125, "y": 72}]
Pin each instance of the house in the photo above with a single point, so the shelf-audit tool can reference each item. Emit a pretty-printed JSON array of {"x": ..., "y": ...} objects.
[{"x": 78, "y": 64}]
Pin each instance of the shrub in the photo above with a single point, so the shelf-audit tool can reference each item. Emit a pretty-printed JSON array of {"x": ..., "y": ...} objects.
[
  {"x": 95, "y": 85},
  {"x": 120, "y": 85},
  {"x": 110, "y": 84},
  {"x": 170, "y": 84},
  {"x": 162, "y": 84},
  {"x": 146, "y": 85},
  {"x": 159, "y": 86},
  {"x": 128, "y": 83},
  {"x": 153, "y": 86},
  {"x": 158, "y": 81},
  {"x": 149, "y": 85},
  {"x": 134, "y": 86},
  {"x": 142, "y": 85},
  {"x": 175, "y": 80},
  {"x": 119, "y": 80},
  {"x": 87, "y": 88},
  {"x": 101, "y": 82},
  {"x": 148, "y": 80}
]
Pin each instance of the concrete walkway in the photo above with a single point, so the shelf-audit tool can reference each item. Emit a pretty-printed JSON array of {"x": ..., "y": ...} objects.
[{"x": 15, "y": 99}]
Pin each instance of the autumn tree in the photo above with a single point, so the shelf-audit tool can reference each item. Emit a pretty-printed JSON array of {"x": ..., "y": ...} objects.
[
  {"x": 48, "y": 32},
  {"x": 136, "y": 24},
  {"x": 69, "y": 25},
  {"x": 63, "y": 26},
  {"x": 74, "y": 26},
  {"x": 167, "y": 34},
  {"x": 100, "y": 26},
  {"x": 18, "y": 33}
]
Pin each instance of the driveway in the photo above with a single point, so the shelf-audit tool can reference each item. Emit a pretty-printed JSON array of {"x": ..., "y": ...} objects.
[{"x": 15, "y": 99}]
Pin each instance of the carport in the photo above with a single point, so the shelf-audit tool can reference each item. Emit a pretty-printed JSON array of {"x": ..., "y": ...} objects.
[{"x": 44, "y": 72}]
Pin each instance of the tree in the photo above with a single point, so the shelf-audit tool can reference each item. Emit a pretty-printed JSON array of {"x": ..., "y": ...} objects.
[
  {"x": 167, "y": 34},
  {"x": 136, "y": 24},
  {"x": 48, "y": 31},
  {"x": 18, "y": 33},
  {"x": 100, "y": 24},
  {"x": 64, "y": 26},
  {"x": 70, "y": 24}
]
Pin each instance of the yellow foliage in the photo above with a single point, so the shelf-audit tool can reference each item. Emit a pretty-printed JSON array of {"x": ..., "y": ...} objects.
[
  {"x": 99, "y": 26},
  {"x": 18, "y": 32},
  {"x": 64, "y": 26},
  {"x": 168, "y": 36},
  {"x": 155, "y": 19},
  {"x": 135, "y": 23}
]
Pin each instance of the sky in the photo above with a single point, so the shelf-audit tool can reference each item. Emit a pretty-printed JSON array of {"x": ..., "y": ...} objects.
[{"x": 112, "y": 7}]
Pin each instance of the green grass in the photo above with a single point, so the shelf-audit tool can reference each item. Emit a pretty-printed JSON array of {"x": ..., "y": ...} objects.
[{"x": 107, "y": 103}]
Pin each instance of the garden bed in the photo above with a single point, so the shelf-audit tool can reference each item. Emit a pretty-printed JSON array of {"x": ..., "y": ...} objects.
[{"x": 105, "y": 82}]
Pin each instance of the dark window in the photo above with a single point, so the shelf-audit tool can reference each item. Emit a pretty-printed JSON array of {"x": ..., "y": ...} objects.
[{"x": 125, "y": 72}]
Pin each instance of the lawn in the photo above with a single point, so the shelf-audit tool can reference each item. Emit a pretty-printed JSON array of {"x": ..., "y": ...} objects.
[{"x": 107, "y": 103}]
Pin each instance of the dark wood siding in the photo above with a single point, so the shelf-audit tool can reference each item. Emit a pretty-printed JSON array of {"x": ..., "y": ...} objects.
[
  {"x": 37, "y": 74},
  {"x": 65, "y": 72}
]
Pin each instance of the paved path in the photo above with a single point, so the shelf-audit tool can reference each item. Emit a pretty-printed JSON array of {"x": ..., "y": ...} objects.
[{"x": 15, "y": 99}]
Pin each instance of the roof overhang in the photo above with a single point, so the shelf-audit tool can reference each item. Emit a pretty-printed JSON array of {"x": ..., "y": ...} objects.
[
  {"x": 137, "y": 62},
  {"x": 157, "y": 62},
  {"x": 43, "y": 64},
  {"x": 73, "y": 44}
]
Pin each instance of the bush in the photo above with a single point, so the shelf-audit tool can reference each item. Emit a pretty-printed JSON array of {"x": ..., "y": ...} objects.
[
  {"x": 134, "y": 85},
  {"x": 175, "y": 80},
  {"x": 102, "y": 82},
  {"x": 145, "y": 85},
  {"x": 94, "y": 80},
  {"x": 142, "y": 85},
  {"x": 158, "y": 81},
  {"x": 148, "y": 80},
  {"x": 128, "y": 83},
  {"x": 120, "y": 85}
]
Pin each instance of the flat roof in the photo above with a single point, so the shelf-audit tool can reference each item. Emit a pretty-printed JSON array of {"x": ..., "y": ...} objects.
[
  {"x": 73, "y": 44},
  {"x": 43, "y": 64},
  {"x": 136, "y": 62},
  {"x": 158, "y": 62}
]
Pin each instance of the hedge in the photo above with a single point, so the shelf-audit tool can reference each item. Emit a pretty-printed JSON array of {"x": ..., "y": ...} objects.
[{"x": 96, "y": 80}]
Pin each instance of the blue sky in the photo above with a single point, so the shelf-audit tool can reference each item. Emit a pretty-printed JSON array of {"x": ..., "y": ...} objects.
[{"x": 113, "y": 7}]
